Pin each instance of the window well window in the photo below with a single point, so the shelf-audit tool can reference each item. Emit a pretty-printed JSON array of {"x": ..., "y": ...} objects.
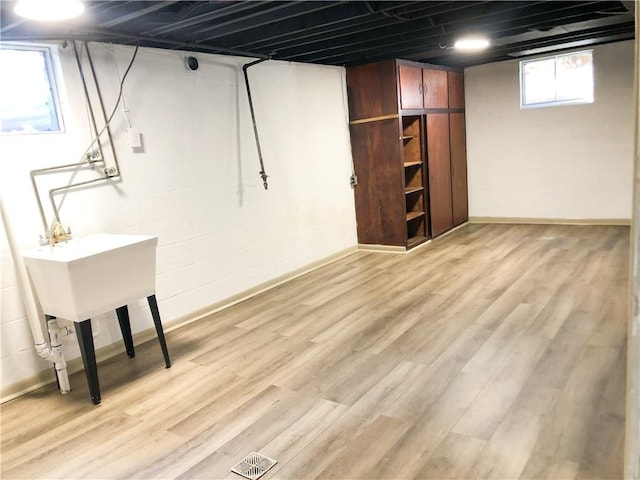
[
  {"x": 28, "y": 95},
  {"x": 558, "y": 80}
]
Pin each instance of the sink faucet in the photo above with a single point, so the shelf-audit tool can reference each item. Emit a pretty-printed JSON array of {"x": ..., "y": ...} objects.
[{"x": 55, "y": 235}]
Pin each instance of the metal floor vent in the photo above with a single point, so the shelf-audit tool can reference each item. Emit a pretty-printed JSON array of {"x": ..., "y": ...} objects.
[{"x": 253, "y": 466}]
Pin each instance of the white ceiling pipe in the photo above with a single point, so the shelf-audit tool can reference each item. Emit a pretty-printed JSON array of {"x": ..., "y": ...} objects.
[{"x": 42, "y": 346}]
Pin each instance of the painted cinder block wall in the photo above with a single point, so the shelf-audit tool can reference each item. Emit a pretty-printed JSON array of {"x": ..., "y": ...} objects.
[
  {"x": 565, "y": 162},
  {"x": 195, "y": 185}
]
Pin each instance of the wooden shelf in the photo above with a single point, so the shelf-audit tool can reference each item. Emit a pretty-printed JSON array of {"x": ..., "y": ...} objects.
[
  {"x": 413, "y": 241},
  {"x": 412, "y": 164},
  {"x": 414, "y": 215},
  {"x": 409, "y": 190}
]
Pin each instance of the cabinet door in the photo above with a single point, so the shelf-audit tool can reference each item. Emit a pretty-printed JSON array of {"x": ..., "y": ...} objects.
[
  {"x": 379, "y": 194},
  {"x": 439, "y": 165},
  {"x": 458, "y": 168},
  {"x": 410, "y": 86},
  {"x": 435, "y": 88},
  {"x": 456, "y": 89}
]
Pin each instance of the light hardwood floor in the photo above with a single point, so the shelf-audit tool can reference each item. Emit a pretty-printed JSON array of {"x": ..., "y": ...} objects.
[{"x": 495, "y": 352}]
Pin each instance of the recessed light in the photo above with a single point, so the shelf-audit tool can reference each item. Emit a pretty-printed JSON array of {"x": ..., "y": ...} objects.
[
  {"x": 471, "y": 44},
  {"x": 49, "y": 10}
]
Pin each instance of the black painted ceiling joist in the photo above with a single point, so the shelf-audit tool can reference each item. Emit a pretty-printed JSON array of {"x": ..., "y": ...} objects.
[
  {"x": 147, "y": 9},
  {"x": 493, "y": 26},
  {"x": 261, "y": 19},
  {"x": 368, "y": 29},
  {"x": 341, "y": 32},
  {"x": 211, "y": 16}
]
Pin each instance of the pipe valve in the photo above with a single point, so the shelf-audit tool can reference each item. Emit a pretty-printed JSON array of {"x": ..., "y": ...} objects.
[{"x": 264, "y": 177}]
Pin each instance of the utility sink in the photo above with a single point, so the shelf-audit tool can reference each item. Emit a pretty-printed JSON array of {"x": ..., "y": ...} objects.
[{"x": 91, "y": 275}]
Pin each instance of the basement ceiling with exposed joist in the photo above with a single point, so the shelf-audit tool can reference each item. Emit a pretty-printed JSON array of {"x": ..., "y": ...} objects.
[{"x": 340, "y": 33}]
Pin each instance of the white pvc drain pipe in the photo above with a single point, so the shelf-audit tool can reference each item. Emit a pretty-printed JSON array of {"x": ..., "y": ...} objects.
[{"x": 53, "y": 351}]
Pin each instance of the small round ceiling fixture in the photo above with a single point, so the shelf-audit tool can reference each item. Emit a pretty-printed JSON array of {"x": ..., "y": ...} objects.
[
  {"x": 471, "y": 44},
  {"x": 49, "y": 10}
]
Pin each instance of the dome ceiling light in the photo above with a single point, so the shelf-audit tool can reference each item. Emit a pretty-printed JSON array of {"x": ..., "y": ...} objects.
[
  {"x": 471, "y": 44},
  {"x": 49, "y": 10}
]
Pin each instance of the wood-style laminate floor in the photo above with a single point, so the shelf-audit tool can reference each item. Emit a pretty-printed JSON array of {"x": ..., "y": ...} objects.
[{"x": 497, "y": 351}]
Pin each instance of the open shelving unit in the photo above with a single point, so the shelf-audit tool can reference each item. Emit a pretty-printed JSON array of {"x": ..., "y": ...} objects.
[{"x": 414, "y": 185}]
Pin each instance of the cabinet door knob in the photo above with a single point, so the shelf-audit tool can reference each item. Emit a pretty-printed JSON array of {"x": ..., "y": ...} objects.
[{"x": 420, "y": 86}]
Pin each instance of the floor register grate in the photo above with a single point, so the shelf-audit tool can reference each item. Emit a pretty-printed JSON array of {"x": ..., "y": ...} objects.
[{"x": 253, "y": 466}]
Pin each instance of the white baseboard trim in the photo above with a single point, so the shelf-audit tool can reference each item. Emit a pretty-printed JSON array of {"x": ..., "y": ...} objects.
[
  {"x": 28, "y": 385},
  {"x": 257, "y": 290},
  {"x": 74, "y": 365},
  {"x": 398, "y": 249},
  {"x": 364, "y": 247},
  {"x": 552, "y": 221},
  {"x": 449, "y": 232}
]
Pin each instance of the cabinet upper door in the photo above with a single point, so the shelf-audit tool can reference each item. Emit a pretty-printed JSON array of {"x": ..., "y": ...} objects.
[
  {"x": 410, "y": 86},
  {"x": 456, "y": 90},
  {"x": 435, "y": 88}
]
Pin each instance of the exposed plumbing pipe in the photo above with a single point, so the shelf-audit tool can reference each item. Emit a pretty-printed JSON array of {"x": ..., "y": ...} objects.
[
  {"x": 108, "y": 172},
  {"x": 43, "y": 218},
  {"x": 53, "y": 191},
  {"x": 39, "y": 171},
  {"x": 51, "y": 352},
  {"x": 86, "y": 94},
  {"x": 104, "y": 113},
  {"x": 245, "y": 67},
  {"x": 353, "y": 180}
]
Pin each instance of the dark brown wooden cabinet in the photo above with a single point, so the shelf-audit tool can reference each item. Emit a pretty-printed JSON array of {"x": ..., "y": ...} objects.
[
  {"x": 372, "y": 90},
  {"x": 411, "y": 87},
  {"x": 422, "y": 87},
  {"x": 458, "y": 146},
  {"x": 379, "y": 193},
  {"x": 408, "y": 145},
  {"x": 439, "y": 167},
  {"x": 435, "y": 88},
  {"x": 455, "y": 85}
]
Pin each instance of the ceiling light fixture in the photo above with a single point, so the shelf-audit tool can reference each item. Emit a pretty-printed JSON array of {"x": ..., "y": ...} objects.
[
  {"x": 471, "y": 44},
  {"x": 49, "y": 10}
]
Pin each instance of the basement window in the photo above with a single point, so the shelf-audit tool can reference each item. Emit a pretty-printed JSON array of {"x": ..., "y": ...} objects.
[
  {"x": 558, "y": 80},
  {"x": 28, "y": 95}
]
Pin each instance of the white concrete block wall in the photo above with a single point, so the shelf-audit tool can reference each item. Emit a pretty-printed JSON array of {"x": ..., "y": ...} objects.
[
  {"x": 196, "y": 185},
  {"x": 566, "y": 162}
]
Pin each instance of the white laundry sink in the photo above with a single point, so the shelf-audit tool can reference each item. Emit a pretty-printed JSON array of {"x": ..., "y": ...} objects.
[{"x": 91, "y": 275}]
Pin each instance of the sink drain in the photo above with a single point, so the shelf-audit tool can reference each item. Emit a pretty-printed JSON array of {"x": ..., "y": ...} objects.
[{"x": 253, "y": 466}]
